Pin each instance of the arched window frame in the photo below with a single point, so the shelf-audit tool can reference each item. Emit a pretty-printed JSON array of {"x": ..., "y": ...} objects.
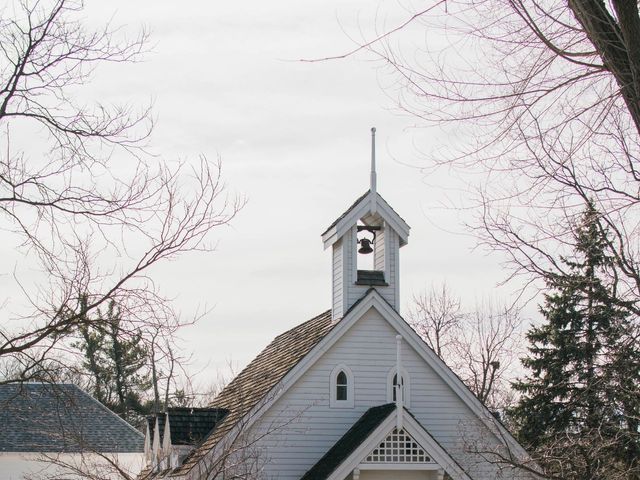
[
  {"x": 333, "y": 390},
  {"x": 406, "y": 383}
]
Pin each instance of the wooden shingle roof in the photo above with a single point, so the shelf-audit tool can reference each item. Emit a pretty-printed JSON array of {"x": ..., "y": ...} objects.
[
  {"x": 253, "y": 384},
  {"x": 347, "y": 211}
]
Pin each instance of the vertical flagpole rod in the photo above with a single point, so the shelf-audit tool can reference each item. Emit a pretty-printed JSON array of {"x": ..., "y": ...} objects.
[
  {"x": 373, "y": 159},
  {"x": 399, "y": 382}
]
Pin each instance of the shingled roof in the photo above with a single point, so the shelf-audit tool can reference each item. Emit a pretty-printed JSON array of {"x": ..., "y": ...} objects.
[
  {"x": 349, "y": 442},
  {"x": 188, "y": 426},
  {"x": 42, "y": 417},
  {"x": 254, "y": 383},
  {"x": 347, "y": 211},
  {"x": 354, "y": 205}
]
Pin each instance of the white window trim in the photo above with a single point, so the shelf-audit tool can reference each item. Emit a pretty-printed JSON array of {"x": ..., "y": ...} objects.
[
  {"x": 406, "y": 401},
  {"x": 349, "y": 402}
]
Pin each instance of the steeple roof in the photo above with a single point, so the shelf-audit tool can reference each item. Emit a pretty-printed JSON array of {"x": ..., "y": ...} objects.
[{"x": 369, "y": 204}]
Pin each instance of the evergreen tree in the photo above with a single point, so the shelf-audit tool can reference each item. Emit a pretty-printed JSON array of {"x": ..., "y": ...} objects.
[
  {"x": 92, "y": 345},
  {"x": 127, "y": 359},
  {"x": 115, "y": 359},
  {"x": 579, "y": 406}
]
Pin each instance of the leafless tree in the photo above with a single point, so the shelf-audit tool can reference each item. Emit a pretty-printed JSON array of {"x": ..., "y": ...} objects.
[
  {"x": 542, "y": 102},
  {"x": 238, "y": 453},
  {"x": 567, "y": 457},
  {"x": 436, "y": 315},
  {"x": 168, "y": 365},
  {"x": 80, "y": 197},
  {"x": 486, "y": 353},
  {"x": 539, "y": 106},
  {"x": 480, "y": 345}
]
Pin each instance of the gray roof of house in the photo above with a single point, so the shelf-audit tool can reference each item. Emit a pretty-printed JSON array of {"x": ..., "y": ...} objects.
[{"x": 43, "y": 417}]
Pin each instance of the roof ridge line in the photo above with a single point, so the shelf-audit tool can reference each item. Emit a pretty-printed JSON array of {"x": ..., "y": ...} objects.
[{"x": 104, "y": 407}]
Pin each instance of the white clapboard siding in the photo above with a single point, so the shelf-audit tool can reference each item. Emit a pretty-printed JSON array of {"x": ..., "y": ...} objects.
[
  {"x": 338, "y": 277},
  {"x": 379, "y": 262},
  {"x": 303, "y": 426}
]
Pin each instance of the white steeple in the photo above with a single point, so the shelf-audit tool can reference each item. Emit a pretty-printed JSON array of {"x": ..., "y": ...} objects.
[{"x": 369, "y": 226}]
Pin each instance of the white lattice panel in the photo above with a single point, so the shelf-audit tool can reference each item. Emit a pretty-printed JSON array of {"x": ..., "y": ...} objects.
[{"x": 398, "y": 447}]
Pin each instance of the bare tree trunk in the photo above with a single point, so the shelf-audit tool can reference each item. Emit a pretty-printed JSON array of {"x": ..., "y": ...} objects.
[
  {"x": 154, "y": 376},
  {"x": 617, "y": 43}
]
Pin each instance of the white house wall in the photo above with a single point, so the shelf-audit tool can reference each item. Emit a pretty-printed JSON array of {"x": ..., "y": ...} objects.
[
  {"x": 303, "y": 427},
  {"x": 338, "y": 277},
  {"x": 15, "y": 465},
  {"x": 379, "y": 261}
]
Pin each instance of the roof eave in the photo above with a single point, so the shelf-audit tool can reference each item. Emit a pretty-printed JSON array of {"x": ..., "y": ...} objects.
[
  {"x": 416, "y": 430},
  {"x": 371, "y": 202}
]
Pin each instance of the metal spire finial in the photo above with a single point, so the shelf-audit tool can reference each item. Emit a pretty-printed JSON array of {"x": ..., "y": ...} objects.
[{"x": 373, "y": 159}]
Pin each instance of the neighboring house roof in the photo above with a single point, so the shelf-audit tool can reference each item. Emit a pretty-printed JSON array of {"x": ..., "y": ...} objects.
[
  {"x": 188, "y": 426},
  {"x": 351, "y": 440},
  {"x": 253, "y": 384},
  {"x": 43, "y": 417}
]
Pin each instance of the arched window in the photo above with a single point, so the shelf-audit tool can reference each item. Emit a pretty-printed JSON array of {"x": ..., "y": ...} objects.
[
  {"x": 394, "y": 384},
  {"x": 341, "y": 387},
  {"x": 405, "y": 384}
]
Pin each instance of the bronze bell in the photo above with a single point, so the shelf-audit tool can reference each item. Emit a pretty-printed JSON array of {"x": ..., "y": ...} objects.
[{"x": 365, "y": 246}]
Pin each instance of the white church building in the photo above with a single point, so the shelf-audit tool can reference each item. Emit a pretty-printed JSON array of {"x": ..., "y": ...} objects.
[{"x": 323, "y": 402}]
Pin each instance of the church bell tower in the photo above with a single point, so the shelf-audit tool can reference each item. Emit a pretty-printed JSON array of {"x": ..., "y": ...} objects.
[{"x": 369, "y": 228}]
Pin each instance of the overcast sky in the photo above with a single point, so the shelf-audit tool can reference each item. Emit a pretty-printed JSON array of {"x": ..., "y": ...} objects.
[{"x": 294, "y": 139}]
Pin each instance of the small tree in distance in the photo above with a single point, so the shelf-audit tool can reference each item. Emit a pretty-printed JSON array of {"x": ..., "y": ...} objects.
[
  {"x": 480, "y": 345},
  {"x": 436, "y": 314},
  {"x": 117, "y": 363},
  {"x": 579, "y": 407}
]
